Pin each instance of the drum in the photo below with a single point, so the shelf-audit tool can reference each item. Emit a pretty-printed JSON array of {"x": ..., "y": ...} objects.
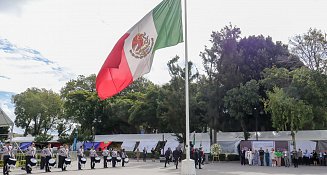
[
  {"x": 33, "y": 162},
  {"x": 83, "y": 160},
  {"x": 11, "y": 162},
  {"x": 109, "y": 159},
  {"x": 126, "y": 160},
  {"x": 97, "y": 159},
  {"x": 68, "y": 161},
  {"x": 118, "y": 159},
  {"x": 52, "y": 162}
]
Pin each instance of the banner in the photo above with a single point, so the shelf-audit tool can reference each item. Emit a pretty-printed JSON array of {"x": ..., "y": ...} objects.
[{"x": 256, "y": 145}]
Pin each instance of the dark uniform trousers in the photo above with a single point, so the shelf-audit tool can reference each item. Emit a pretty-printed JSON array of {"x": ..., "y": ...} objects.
[
  {"x": 113, "y": 161},
  {"x": 28, "y": 162},
  {"x": 105, "y": 164},
  {"x": 79, "y": 162},
  {"x": 63, "y": 166},
  {"x": 5, "y": 166},
  {"x": 92, "y": 162},
  {"x": 42, "y": 163},
  {"x": 60, "y": 163},
  {"x": 47, "y": 168}
]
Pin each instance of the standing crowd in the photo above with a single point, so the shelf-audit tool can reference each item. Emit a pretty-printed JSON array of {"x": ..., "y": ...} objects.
[{"x": 277, "y": 158}]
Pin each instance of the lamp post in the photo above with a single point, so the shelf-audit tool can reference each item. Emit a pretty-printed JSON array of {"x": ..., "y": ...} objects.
[{"x": 256, "y": 123}]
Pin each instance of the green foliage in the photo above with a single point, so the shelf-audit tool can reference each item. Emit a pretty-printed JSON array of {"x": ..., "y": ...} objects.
[
  {"x": 37, "y": 110},
  {"x": 241, "y": 101},
  {"x": 173, "y": 103},
  {"x": 303, "y": 84},
  {"x": 287, "y": 112},
  {"x": 311, "y": 48}
]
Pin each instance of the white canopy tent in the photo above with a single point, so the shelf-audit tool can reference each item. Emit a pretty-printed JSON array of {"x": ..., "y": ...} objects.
[
  {"x": 6, "y": 121},
  {"x": 273, "y": 135},
  {"x": 150, "y": 140},
  {"x": 128, "y": 145}
]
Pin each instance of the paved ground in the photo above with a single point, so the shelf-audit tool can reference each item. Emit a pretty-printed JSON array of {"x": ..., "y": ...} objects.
[{"x": 150, "y": 168}]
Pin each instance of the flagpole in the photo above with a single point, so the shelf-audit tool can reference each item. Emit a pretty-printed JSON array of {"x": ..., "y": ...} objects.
[
  {"x": 187, "y": 107},
  {"x": 188, "y": 167}
]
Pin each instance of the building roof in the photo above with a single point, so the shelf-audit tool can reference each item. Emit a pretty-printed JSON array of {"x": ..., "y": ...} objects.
[{"x": 4, "y": 119}]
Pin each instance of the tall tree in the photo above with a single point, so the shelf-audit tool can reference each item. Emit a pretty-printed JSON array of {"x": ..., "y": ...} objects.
[
  {"x": 241, "y": 101},
  {"x": 303, "y": 84},
  {"x": 287, "y": 112},
  {"x": 37, "y": 110},
  {"x": 173, "y": 105},
  {"x": 311, "y": 48}
]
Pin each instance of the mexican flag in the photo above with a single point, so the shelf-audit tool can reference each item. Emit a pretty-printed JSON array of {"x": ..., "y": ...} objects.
[{"x": 132, "y": 56}]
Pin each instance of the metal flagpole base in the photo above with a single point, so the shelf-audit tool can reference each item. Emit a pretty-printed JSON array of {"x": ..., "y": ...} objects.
[{"x": 188, "y": 167}]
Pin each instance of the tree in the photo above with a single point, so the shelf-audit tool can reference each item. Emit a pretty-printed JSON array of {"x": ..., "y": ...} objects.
[
  {"x": 304, "y": 84},
  {"x": 172, "y": 107},
  {"x": 311, "y": 48},
  {"x": 233, "y": 60},
  {"x": 145, "y": 111},
  {"x": 287, "y": 112},
  {"x": 37, "y": 110},
  {"x": 241, "y": 101}
]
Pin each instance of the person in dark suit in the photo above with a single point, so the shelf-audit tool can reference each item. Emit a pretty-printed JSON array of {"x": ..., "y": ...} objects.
[
  {"x": 243, "y": 156},
  {"x": 176, "y": 156},
  {"x": 196, "y": 157},
  {"x": 167, "y": 156}
]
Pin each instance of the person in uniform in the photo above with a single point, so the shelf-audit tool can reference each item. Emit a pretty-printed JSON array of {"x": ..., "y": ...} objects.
[
  {"x": 62, "y": 157},
  {"x": 80, "y": 155},
  {"x": 42, "y": 163},
  {"x": 167, "y": 156},
  {"x": 113, "y": 157},
  {"x": 105, "y": 154},
  {"x": 176, "y": 156},
  {"x": 48, "y": 155},
  {"x": 93, "y": 154},
  {"x": 123, "y": 156},
  {"x": 6, "y": 156},
  {"x": 60, "y": 163},
  {"x": 29, "y": 155}
]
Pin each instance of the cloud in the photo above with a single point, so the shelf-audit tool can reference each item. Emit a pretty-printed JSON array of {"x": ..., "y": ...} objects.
[
  {"x": 1, "y": 76},
  {"x": 12, "y": 6},
  {"x": 23, "y": 67}
]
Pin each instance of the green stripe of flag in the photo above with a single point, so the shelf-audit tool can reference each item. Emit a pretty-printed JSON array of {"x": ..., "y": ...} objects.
[{"x": 167, "y": 17}]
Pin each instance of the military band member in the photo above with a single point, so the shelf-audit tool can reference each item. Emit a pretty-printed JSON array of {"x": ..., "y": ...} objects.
[
  {"x": 6, "y": 156},
  {"x": 114, "y": 155},
  {"x": 93, "y": 154},
  {"x": 48, "y": 155},
  {"x": 60, "y": 153},
  {"x": 105, "y": 154},
  {"x": 62, "y": 157},
  {"x": 80, "y": 154},
  {"x": 42, "y": 163},
  {"x": 29, "y": 155}
]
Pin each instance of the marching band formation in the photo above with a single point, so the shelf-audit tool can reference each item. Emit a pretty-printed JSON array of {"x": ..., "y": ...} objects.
[{"x": 64, "y": 159}]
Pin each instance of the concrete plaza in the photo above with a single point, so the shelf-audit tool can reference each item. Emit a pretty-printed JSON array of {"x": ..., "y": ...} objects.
[{"x": 156, "y": 168}]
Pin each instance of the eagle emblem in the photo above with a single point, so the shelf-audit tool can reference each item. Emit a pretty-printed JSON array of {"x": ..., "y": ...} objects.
[{"x": 141, "y": 45}]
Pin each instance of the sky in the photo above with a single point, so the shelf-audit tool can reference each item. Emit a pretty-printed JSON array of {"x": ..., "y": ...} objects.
[{"x": 45, "y": 43}]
